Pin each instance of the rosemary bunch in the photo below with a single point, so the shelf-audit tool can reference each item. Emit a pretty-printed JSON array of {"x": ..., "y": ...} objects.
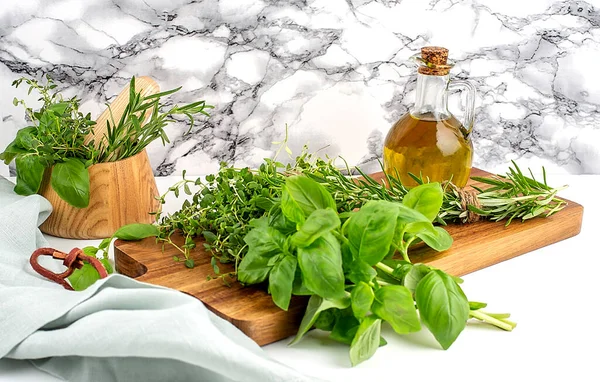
[
  {"x": 222, "y": 209},
  {"x": 142, "y": 122}
]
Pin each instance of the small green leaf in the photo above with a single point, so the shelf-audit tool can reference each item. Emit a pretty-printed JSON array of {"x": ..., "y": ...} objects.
[
  {"x": 316, "y": 225},
  {"x": 213, "y": 262},
  {"x": 90, "y": 250},
  {"x": 189, "y": 263},
  {"x": 281, "y": 280},
  {"x": 394, "y": 304},
  {"x": 105, "y": 243},
  {"x": 136, "y": 231},
  {"x": 209, "y": 236},
  {"x": 366, "y": 341},
  {"x": 443, "y": 306},
  {"x": 362, "y": 297},
  {"x": 474, "y": 305},
  {"x": 71, "y": 181}
]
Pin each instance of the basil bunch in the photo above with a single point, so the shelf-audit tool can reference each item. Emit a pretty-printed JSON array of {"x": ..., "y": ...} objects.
[{"x": 345, "y": 263}]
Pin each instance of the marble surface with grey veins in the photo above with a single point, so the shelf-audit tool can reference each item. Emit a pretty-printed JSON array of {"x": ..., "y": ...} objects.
[{"x": 335, "y": 71}]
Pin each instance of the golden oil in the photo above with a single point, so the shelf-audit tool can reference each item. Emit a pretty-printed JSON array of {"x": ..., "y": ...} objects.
[{"x": 433, "y": 149}]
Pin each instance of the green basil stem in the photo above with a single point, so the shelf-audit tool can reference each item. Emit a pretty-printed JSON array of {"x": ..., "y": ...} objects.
[
  {"x": 485, "y": 317},
  {"x": 403, "y": 251},
  {"x": 385, "y": 268}
]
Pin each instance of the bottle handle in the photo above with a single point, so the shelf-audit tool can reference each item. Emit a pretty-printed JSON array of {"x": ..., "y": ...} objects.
[{"x": 470, "y": 102}]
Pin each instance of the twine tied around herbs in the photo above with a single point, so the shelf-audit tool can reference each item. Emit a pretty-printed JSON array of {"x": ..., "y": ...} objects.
[{"x": 467, "y": 198}]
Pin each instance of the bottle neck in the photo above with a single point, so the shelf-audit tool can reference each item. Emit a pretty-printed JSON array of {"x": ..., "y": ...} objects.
[{"x": 432, "y": 97}]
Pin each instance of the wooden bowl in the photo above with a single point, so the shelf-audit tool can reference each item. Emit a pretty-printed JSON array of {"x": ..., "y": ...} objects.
[{"x": 121, "y": 192}]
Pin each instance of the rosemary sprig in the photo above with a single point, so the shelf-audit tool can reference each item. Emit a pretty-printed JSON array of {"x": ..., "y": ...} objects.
[{"x": 130, "y": 135}]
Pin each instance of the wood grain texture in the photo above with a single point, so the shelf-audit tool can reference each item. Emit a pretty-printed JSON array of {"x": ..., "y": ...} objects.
[
  {"x": 146, "y": 85},
  {"x": 121, "y": 192},
  {"x": 251, "y": 309}
]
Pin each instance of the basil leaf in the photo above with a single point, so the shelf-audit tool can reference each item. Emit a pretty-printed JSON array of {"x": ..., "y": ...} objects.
[
  {"x": 299, "y": 289},
  {"x": 366, "y": 341},
  {"x": 437, "y": 238},
  {"x": 361, "y": 271},
  {"x": 30, "y": 171},
  {"x": 426, "y": 198},
  {"x": 71, "y": 181},
  {"x": 362, "y": 298},
  {"x": 443, "y": 306},
  {"x": 278, "y": 221},
  {"x": 254, "y": 268},
  {"x": 82, "y": 278},
  {"x": 11, "y": 151},
  {"x": 301, "y": 196},
  {"x": 414, "y": 275},
  {"x": 316, "y": 305},
  {"x": 327, "y": 319},
  {"x": 265, "y": 240},
  {"x": 281, "y": 280},
  {"x": 136, "y": 231},
  {"x": 345, "y": 329},
  {"x": 321, "y": 264},
  {"x": 394, "y": 304},
  {"x": 371, "y": 230},
  {"x": 316, "y": 225},
  {"x": 25, "y": 137}
]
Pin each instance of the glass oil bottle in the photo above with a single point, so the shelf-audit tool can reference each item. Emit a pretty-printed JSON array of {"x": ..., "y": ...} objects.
[{"x": 429, "y": 141}]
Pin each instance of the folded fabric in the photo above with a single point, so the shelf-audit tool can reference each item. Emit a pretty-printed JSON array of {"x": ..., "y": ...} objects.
[{"x": 116, "y": 330}]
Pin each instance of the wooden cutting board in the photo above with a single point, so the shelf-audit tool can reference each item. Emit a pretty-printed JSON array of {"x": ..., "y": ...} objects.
[{"x": 251, "y": 309}]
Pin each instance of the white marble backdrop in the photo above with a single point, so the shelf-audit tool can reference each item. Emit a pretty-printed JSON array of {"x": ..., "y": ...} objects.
[{"x": 335, "y": 71}]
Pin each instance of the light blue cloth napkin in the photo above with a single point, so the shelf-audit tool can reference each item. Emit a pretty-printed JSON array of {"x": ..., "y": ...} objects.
[{"x": 116, "y": 330}]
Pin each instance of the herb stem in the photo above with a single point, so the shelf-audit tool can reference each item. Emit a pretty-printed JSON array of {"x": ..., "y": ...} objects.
[
  {"x": 502, "y": 324},
  {"x": 385, "y": 268}
]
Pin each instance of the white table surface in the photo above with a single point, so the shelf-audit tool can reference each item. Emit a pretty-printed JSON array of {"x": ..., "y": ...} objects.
[{"x": 552, "y": 293}]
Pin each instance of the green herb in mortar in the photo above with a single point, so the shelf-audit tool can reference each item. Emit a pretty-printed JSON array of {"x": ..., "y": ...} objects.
[{"x": 56, "y": 139}]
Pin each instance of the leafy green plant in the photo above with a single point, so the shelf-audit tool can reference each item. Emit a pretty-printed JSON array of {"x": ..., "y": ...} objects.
[
  {"x": 346, "y": 263},
  {"x": 56, "y": 139}
]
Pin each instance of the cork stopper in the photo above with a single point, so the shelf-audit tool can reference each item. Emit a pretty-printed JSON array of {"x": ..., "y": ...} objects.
[{"x": 435, "y": 61}]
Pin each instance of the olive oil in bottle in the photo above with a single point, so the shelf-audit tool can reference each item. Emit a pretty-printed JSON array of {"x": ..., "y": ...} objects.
[{"x": 429, "y": 141}]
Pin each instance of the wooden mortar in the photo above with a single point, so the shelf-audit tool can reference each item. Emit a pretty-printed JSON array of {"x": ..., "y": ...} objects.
[{"x": 121, "y": 192}]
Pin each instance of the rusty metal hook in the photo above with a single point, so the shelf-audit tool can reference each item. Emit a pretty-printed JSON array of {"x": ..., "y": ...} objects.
[{"x": 73, "y": 260}]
